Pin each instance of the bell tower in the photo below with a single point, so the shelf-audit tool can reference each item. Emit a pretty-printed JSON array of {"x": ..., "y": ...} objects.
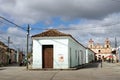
[
  {"x": 107, "y": 43},
  {"x": 91, "y": 44}
]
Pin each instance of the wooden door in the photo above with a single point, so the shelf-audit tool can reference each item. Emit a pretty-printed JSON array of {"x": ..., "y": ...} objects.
[{"x": 47, "y": 56}]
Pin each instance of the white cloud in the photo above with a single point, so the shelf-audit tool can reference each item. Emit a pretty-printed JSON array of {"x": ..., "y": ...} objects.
[
  {"x": 16, "y": 32},
  {"x": 101, "y": 18},
  {"x": 25, "y": 11},
  {"x": 99, "y": 30},
  {"x": 17, "y": 38}
]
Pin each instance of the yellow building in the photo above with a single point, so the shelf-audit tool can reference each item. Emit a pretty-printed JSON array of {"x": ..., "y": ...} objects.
[{"x": 101, "y": 51}]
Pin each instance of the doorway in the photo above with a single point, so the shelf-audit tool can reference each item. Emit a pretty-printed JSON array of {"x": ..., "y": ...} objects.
[{"x": 47, "y": 56}]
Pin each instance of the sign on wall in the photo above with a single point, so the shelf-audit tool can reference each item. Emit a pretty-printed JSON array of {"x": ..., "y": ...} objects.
[{"x": 61, "y": 58}]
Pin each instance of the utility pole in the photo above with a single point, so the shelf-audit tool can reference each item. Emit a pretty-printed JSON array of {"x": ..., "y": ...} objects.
[
  {"x": 115, "y": 42},
  {"x": 18, "y": 50},
  {"x": 116, "y": 53},
  {"x": 28, "y": 32},
  {"x": 9, "y": 56}
]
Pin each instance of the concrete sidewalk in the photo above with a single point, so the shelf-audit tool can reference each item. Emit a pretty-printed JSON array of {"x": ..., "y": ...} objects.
[{"x": 92, "y": 71}]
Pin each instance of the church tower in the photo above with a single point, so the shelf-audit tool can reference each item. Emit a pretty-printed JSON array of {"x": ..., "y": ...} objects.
[
  {"x": 91, "y": 44},
  {"x": 101, "y": 51},
  {"x": 107, "y": 43}
]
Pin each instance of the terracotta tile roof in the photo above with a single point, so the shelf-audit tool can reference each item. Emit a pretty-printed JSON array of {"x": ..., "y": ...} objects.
[
  {"x": 51, "y": 33},
  {"x": 55, "y": 33}
]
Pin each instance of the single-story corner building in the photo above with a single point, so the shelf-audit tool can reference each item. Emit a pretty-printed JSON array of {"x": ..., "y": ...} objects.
[{"x": 57, "y": 50}]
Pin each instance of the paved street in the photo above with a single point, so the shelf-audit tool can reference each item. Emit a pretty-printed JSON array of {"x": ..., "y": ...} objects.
[{"x": 109, "y": 71}]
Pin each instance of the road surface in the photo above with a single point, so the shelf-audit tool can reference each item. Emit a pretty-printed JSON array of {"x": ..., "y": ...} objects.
[{"x": 93, "y": 71}]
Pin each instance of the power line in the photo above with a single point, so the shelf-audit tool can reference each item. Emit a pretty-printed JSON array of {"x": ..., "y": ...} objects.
[
  {"x": 3, "y": 22},
  {"x": 7, "y": 41},
  {"x": 54, "y": 28},
  {"x": 93, "y": 28},
  {"x": 81, "y": 28},
  {"x": 12, "y": 23}
]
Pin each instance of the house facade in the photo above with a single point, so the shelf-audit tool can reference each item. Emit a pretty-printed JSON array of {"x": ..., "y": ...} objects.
[
  {"x": 90, "y": 55},
  {"x": 5, "y": 56},
  {"x": 57, "y": 50}
]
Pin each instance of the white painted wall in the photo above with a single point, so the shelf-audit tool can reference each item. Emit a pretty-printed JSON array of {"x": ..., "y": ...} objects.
[
  {"x": 77, "y": 53},
  {"x": 60, "y": 48},
  {"x": 37, "y": 56},
  {"x": 89, "y": 56}
]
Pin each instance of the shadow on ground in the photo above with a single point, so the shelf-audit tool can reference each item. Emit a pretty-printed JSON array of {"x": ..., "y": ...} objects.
[
  {"x": 89, "y": 65},
  {"x": 13, "y": 65},
  {"x": 2, "y": 68},
  {"x": 92, "y": 65}
]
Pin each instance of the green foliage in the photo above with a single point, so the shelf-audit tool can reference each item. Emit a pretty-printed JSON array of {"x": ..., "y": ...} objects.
[{"x": 29, "y": 55}]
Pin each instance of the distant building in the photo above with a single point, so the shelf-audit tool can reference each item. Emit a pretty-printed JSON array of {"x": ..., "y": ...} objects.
[
  {"x": 101, "y": 51},
  {"x": 5, "y": 56},
  {"x": 21, "y": 57},
  {"x": 13, "y": 56}
]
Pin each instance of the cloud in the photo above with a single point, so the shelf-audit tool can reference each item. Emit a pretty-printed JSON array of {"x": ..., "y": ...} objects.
[
  {"x": 16, "y": 32},
  {"x": 99, "y": 19},
  {"x": 98, "y": 30},
  {"x": 17, "y": 38},
  {"x": 25, "y": 11}
]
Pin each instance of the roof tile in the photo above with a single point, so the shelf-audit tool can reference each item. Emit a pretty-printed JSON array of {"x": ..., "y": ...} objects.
[{"x": 51, "y": 33}]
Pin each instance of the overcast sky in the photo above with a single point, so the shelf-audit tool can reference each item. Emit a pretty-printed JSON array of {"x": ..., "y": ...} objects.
[{"x": 96, "y": 19}]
